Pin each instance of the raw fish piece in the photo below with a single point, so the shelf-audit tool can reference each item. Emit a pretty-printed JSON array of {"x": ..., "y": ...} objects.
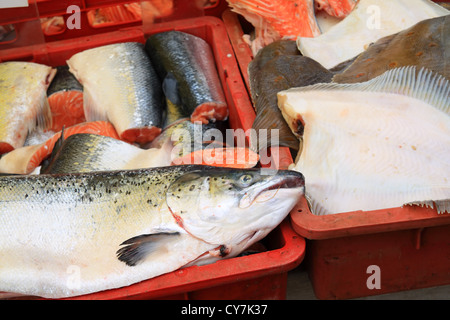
[
  {"x": 279, "y": 66},
  {"x": 426, "y": 44},
  {"x": 23, "y": 101},
  {"x": 373, "y": 145},
  {"x": 26, "y": 159},
  {"x": 65, "y": 98},
  {"x": 121, "y": 86},
  {"x": 190, "y": 60},
  {"x": 335, "y": 8},
  {"x": 87, "y": 152},
  {"x": 369, "y": 21}
]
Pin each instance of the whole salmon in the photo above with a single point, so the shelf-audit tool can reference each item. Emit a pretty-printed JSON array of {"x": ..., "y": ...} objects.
[{"x": 72, "y": 234}]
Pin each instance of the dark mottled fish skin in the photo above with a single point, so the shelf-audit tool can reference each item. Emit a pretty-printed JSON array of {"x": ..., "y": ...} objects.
[
  {"x": 280, "y": 71},
  {"x": 191, "y": 61},
  {"x": 273, "y": 50},
  {"x": 426, "y": 44},
  {"x": 64, "y": 80}
]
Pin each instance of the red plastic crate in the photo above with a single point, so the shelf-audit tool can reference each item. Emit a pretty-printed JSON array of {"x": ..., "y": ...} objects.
[
  {"x": 411, "y": 245},
  {"x": 258, "y": 276},
  {"x": 25, "y": 18}
]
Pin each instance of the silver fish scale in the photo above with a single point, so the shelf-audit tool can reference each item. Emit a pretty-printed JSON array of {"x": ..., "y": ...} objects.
[{"x": 147, "y": 88}]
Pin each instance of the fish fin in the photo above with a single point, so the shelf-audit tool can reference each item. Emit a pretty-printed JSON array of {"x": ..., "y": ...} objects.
[
  {"x": 170, "y": 88},
  {"x": 264, "y": 139},
  {"x": 92, "y": 111},
  {"x": 43, "y": 117},
  {"x": 442, "y": 206},
  {"x": 140, "y": 247},
  {"x": 423, "y": 84},
  {"x": 315, "y": 207}
]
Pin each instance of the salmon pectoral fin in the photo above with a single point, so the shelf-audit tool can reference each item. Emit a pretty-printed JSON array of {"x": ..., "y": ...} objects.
[{"x": 140, "y": 247}]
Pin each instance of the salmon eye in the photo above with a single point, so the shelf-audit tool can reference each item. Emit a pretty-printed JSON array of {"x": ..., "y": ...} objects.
[{"x": 245, "y": 179}]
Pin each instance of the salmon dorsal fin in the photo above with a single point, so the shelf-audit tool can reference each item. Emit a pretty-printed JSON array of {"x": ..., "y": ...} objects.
[
  {"x": 423, "y": 84},
  {"x": 138, "y": 248}
]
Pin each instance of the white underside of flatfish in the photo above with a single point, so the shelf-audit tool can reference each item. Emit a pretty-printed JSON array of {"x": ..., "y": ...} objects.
[
  {"x": 369, "y": 21},
  {"x": 379, "y": 144}
]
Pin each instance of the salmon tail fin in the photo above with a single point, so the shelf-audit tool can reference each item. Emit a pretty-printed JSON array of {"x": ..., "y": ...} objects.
[{"x": 140, "y": 247}]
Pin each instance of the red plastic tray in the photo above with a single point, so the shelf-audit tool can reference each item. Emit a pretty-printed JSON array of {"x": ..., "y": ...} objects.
[
  {"x": 258, "y": 276},
  {"x": 334, "y": 235},
  {"x": 24, "y": 18}
]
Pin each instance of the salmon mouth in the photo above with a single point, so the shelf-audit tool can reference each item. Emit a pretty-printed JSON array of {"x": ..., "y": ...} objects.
[
  {"x": 287, "y": 183},
  {"x": 292, "y": 180}
]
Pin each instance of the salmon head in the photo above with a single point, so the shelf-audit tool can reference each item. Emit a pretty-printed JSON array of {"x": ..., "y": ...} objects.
[{"x": 233, "y": 208}]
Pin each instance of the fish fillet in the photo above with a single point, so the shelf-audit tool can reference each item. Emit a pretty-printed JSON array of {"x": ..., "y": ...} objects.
[
  {"x": 369, "y": 21},
  {"x": 274, "y": 20},
  {"x": 374, "y": 145}
]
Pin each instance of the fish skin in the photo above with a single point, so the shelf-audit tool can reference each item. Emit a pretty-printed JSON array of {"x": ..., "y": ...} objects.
[
  {"x": 191, "y": 62},
  {"x": 386, "y": 146},
  {"x": 23, "y": 101},
  {"x": 425, "y": 44},
  {"x": 279, "y": 66},
  {"x": 28, "y": 158},
  {"x": 368, "y": 22},
  {"x": 174, "y": 106},
  {"x": 90, "y": 222},
  {"x": 85, "y": 152},
  {"x": 121, "y": 86},
  {"x": 64, "y": 80}
]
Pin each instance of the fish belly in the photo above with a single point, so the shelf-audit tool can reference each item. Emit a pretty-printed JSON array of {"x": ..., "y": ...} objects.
[
  {"x": 369, "y": 150},
  {"x": 59, "y": 235},
  {"x": 120, "y": 85},
  {"x": 23, "y": 101}
]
